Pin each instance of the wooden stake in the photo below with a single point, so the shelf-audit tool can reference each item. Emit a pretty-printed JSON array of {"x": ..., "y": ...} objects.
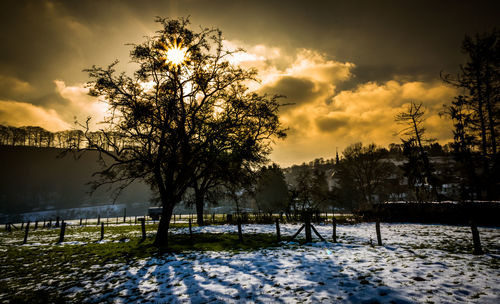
[
  {"x": 334, "y": 225},
  {"x": 278, "y": 235},
  {"x": 476, "y": 239},
  {"x": 190, "y": 230},
  {"x": 26, "y": 233},
  {"x": 143, "y": 228},
  {"x": 379, "y": 237},
  {"x": 308, "y": 228},
  {"x": 102, "y": 231},
  {"x": 63, "y": 230}
]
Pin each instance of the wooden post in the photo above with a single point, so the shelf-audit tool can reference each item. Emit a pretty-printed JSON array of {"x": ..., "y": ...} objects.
[
  {"x": 334, "y": 225},
  {"x": 26, "y": 233},
  {"x": 22, "y": 225},
  {"x": 379, "y": 237},
  {"x": 102, "y": 231},
  {"x": 143, "y": 228},
  {"x": 49, "y": 224},
  {"x": 63, "y": 230},
  {"x": 124, "y": 215},
  {"x": 307, "y": 219},
  {"x": 57, "y": 222},
  {"x": 81, "y": 221},
  {"x": 98, "y": 219},
  {"x": 476, "y": 239},
  {"x": 43, "y": 224},
  {"x": 190, "y": 230},
  {"x": 278, "y": 235},
  {"x": 36, "y": 225},
  {"x": 240, "y": 234}
]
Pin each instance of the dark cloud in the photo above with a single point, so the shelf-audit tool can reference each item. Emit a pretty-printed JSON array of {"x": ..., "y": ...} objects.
[
  {"x": 296, "y": 91},
  {"x": 48, "y": 40},
  {"x": 328, "y": 124}
]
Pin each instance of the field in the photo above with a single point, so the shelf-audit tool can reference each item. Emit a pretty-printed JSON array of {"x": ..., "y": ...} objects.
[{"x": 416, "y": 264}]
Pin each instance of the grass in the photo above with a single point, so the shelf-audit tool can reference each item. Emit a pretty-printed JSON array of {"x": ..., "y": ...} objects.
[{"x": 50, "y": 268}]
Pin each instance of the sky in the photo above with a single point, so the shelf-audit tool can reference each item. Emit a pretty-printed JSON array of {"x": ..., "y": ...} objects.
[{"x": 347, "y": 67}]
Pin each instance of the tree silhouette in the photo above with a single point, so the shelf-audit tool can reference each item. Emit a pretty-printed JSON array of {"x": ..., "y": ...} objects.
[
  {"x": 362, "y": 173},
  {"x": 271, "y": 190},
  {"x": 475, "y": 112},
  {"x": 418, "y": 169},
  {"x": 185, "y": 109}
]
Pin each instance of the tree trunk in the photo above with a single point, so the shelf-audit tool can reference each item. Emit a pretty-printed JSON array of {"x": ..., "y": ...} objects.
[
  {"x": 162, "y": 232},
  {"x": 199, "y": 201}
]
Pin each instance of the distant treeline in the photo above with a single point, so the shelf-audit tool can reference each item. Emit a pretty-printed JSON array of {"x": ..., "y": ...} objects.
[{"x": 34, "y": 136}]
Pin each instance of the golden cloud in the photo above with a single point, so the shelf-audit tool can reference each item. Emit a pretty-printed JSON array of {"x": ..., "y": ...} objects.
[
  {"x": 365, "y": 114},
  {"x": 18, "y": 114}
]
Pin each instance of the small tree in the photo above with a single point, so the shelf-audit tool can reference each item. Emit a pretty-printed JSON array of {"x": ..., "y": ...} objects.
[
  {"x": 184, "y": 108},
  {"x": 418, "y": 169},
  {"x": 271, "y": 191},
  {"x": 362, "y": 173}
]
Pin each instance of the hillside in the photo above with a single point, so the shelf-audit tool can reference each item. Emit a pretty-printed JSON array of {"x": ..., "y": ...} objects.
[{"x": 37, "y": 179}]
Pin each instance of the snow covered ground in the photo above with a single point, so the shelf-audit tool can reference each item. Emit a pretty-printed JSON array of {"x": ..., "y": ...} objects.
[{"x": 416, "y": 264}]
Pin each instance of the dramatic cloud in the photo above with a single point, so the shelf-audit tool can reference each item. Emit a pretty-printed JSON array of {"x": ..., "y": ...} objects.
[
  {"x": 365, "y": 114},
  {"x": 81, "y": 105},
  {"x": 20, "y": 114},
  {"x": 346, "y": 68}
]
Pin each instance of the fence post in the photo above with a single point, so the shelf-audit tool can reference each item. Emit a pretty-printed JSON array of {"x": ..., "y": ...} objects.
[
  {"x": 476, "y": 239},
  {"x": 57, "y": 222},
  {"x": 22, "y": 225},
  {"x": 98, "y": 219},
  {"x": 124, "y": 215},
  {"x": 63, "y": 230},
  {"x": 307, "y": 219},
  {"x": 379, "y": 237},
  {"x": 43, "y": 224},
  {"x": 49, "y": 224},
  {"x": 81, "y": 221},
  {"x": 36, "y": 225},
  {"x": 240, "y": 234},
  {"x": 334, "y": 225},
  {"x": 278, "y": 235},
  {"x": 102, "y": 231},
  {"x": 143, "y": 228},
  {"x": 190, "y": 230},
  {"x": 26, "y": 233}
]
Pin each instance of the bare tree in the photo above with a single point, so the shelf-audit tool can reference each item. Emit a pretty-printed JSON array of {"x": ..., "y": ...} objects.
[
  {"x": 184, "y": 107},
  {"x": 413, "y": 119}
]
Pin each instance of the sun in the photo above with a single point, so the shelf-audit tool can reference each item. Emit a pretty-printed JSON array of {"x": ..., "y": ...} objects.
[{"x": 176, "y": 54}]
